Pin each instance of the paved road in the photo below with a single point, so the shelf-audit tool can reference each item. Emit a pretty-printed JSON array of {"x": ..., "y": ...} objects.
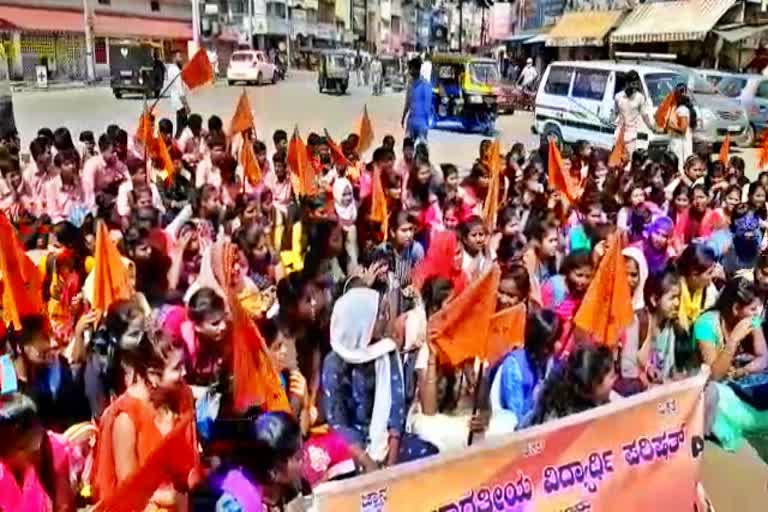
[{"x": 280, "y": 106}]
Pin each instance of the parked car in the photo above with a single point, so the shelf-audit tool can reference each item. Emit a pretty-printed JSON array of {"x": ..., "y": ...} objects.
[
  {"x": 250, "y": 66},
  {"x": 751, "y": 92},
  {"x": 718, "y": 114}
]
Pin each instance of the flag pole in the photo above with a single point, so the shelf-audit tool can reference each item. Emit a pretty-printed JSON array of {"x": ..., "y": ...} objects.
[
  {"x": 165, "y": 90},
  {"x": 476, "y": 401}
]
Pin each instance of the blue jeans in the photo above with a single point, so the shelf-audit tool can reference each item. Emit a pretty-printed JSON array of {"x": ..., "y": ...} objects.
[{"x": 417, "y": 132}]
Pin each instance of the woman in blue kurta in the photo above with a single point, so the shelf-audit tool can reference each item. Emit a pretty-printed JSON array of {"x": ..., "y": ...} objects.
[
  {"x": 517, "y": 379},
  {"x": 363, "y": 394}
]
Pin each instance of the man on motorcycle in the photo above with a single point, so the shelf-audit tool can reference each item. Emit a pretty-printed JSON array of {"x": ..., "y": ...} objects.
[{"x": 528, "y": 75}]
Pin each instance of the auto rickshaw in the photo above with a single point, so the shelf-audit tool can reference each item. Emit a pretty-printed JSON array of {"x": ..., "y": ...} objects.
[
  {"x": 333, "y": 73},
  {"x": 393, "y": 72},
  {"x": 464, "y": 92}
]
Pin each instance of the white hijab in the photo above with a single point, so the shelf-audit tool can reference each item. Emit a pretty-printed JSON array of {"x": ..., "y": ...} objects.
[
  {"x": 347, "y": 214},
  {"x": 638, "y": 297},
  {"x": 352, "y": 323}
]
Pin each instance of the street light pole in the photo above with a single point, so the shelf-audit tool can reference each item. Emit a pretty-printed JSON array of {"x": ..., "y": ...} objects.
[
  {"x": 90, "y": 71},
  {"x": 461, "y": 25},
  {"x": 288, "y": 33},
  {"x": 250, "y": 24},
  {"x": 196, "y": 22}
]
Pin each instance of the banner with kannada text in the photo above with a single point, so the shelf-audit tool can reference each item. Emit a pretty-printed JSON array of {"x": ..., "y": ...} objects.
[{"x": 635, "y": 454}]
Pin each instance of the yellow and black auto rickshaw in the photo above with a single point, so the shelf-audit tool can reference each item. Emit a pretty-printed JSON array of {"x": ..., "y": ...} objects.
[{"x": 464, "y": 92}]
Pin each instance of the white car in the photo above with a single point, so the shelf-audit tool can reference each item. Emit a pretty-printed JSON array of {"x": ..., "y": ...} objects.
[{"x": 250, "y": 66}]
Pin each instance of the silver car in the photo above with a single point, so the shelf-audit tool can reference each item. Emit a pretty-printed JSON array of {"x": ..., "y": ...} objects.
[
  {"x": 718, "y": 115},
  {"x": 749, "y": 90}
]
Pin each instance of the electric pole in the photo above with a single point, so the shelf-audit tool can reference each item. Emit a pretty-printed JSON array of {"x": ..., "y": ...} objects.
[
  {"x": 461, "y": 26},
  {"x": 90, "y": 71}
]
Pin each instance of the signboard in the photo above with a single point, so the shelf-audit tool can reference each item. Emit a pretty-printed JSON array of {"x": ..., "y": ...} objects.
[
  {"x": 41, "y": 72},
  {"x": 644, "y": 451}
]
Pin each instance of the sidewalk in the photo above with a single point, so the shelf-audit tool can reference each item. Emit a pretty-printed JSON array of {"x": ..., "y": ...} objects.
[{"x": 55, "y": 85}]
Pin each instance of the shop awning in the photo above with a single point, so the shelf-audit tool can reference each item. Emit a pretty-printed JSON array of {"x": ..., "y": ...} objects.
[
  {"x": 30, "y": 19},
  {"x": 584, "y": 28},
  {"x": 131, "y": 26},
  {"x": 738, "y": 33},
  {"x": 520, "y": 37},
  {"x": 665, "y": 22}
]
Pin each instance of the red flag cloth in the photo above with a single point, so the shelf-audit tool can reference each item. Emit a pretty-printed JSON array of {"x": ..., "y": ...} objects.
[
  {"x": 198, "y": 71},
  {"x": 379, "y": 209},
  {"x": 725, "y": 150},
  {"x": 256, "y": 381},
  {"x": 763, "y": 152},
  {"x": 111, "y": 281},
  {"x": 298, "y": 160},
  {"x": 336, "y": 153},
  {"x": 665, "y": 110},
  {"x": 559, "y": 179},
  {"x": 618, "y": 156},
  {"x": 607, "y": 306},
  {"x": 172, "y": 461},
  {"x": 364, "y": 132},
  {"x": 463, "y": 325},
  {"x": 251, "y": 168},
  {"x": 22, "y": 282},
  {"x": 491, "y": 204},
  {"x": 507, "y": 333},
  {"x": 242, "y": 120}
]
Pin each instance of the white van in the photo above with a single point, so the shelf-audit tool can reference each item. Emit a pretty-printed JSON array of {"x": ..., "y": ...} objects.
[{"x": 575, "y": 100}]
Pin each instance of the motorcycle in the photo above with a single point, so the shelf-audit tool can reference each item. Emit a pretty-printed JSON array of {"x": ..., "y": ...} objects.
[{"x": 524, "y": 98}]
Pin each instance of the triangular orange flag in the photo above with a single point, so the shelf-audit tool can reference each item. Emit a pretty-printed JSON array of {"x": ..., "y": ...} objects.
[
  {"x": 364, "y": 132},
  {"x": 463, "y": 325},
  {"x": 607, "y": 306},
  {"x": 242, "y": 120},
  {"x": 165, "y": 156},
  {"x": 379, "y": 209},
  {"x": 22, "y": 282},
  {"x": 145, "y": 132},
  {"x": 762, "y": 158},
  {"x": 198, "y": 71},
  {"x": 251, "y": 168},
  {"x": 618, "y": 156},
  {"x": 558, "y": 179},
  {"x": 256, "y": 382},
  {"x": 298, "y": 160},
  {"x": 111, "y": 281},
  {"x": 491, "y": 204},
  {"x": 507, "y": 332},
  {"x": 336, "y": 153},
  {"x": 664, "y": 112},
  {"x": 171, "y": 462},
  {"x": 725, "y": 150}
]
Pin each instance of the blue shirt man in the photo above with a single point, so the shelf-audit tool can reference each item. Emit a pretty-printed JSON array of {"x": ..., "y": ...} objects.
[{"x": 418, "y": 104}]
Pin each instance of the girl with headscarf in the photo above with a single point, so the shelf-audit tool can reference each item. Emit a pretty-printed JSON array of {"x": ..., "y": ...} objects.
[
  {"x": 745, "y": 245},
  {"x": 363, "y": 395},
  {"x": 443, "y": 259},
  {"x": 637, "y": 273},
  {"x": 346, "y": 212},
  {"x": 655, "y": 244}
]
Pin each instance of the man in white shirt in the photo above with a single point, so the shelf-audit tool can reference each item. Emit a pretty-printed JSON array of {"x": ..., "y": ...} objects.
[
  {"x": 178, "y": 95},
  {"x": 426, "y": 67},
  {"x": 528, "y": 75}
]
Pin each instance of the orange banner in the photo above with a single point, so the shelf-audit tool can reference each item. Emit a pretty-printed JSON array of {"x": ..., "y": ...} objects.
[{"x": 635, "y": 454}]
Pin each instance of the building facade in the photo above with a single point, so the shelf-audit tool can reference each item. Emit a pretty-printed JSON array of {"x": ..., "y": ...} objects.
[{"x": 52, "y": 32}]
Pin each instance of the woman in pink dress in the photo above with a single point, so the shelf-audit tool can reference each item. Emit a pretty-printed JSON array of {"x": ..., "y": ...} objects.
[{"x": 34, "y": 465}]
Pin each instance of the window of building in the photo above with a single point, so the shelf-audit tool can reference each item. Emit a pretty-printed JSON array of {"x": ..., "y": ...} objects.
[
  {"x": 105, "y": 2},
  {"x": 154, "y": 5},
  {"x": 100, "y": 50}
]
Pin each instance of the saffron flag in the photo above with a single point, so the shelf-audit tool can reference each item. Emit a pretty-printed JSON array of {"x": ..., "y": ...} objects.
[
  {"x": 145, "y": 132},
  {"x": 665, "y": 110},
  {"x": 165, "y": 157},
  {"x": 298, "y": 160},
  {"x": 558, "y": 178},
  {"x": 364, "y": 132},
  {"x": 174, "y": 459},
  {"x": 763, "y": 152},
  {"x": 463, "y": 325},
  {"x": 491, "y": 205},
  {"x": 256, "y": 381},
  {"x": 607, "y": 306},
  {"x": 618, "y": 156},
  {"x": 725, "y": 150},
  {"x": 110, "y": 275},
  {"x": 507, "y": 332},
  {"x": 336, "y": 153},
  {"x": 379, "y": 209},
  {"x": 22, "y": 282},
  {"x": 242, "y": 120},
  {"x": 198, "y": 71},
  {"x": 251, "y": 168}
]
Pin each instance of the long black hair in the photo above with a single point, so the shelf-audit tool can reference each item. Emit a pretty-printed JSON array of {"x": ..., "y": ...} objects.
[{"x": 684, "y": 100}]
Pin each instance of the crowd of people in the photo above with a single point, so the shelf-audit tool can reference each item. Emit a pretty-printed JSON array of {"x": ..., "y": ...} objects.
[{"x": 339, "y": 260}]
